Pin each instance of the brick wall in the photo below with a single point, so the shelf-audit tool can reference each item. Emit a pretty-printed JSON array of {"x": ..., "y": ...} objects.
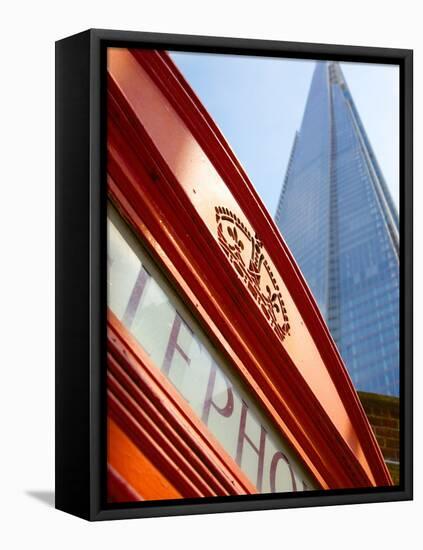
[{"x": 383, "y": 414}]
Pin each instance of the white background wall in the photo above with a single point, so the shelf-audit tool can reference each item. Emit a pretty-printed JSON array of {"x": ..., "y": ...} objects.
[{"x": 28, "y": 32}]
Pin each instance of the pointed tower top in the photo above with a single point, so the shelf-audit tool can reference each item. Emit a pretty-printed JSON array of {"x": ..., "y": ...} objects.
[{"x": 335, "y": 74}]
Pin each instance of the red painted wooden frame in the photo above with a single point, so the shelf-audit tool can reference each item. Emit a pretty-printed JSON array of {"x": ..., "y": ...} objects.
[{"x": 331, "y": 435}]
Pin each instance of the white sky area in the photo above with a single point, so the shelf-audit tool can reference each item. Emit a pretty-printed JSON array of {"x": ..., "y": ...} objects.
[{"x": 258, "y": 104}]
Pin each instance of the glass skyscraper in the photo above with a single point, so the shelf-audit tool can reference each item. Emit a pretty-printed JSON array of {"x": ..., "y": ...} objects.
[{"x": 338, "y": 218}]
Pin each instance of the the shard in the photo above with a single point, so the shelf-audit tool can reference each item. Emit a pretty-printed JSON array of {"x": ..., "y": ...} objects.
[{"x": 338, "y": 218}]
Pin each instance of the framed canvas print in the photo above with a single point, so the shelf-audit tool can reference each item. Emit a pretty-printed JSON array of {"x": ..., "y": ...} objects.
[{"x": 233, "y": 274}]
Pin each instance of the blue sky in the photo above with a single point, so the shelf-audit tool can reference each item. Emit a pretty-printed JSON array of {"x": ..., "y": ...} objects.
[{"x": 258, "y": 104}]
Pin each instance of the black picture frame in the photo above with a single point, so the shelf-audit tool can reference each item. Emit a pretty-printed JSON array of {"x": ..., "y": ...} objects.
[{"x": 80, "y": 272}]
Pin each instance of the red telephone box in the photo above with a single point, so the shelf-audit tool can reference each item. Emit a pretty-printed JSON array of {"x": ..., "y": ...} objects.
[{"x": 222, "y": 376}]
